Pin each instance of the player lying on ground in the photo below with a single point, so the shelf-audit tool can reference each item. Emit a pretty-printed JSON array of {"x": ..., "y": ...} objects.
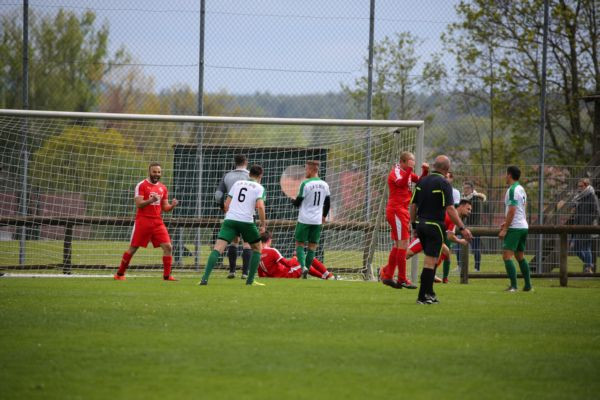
[
  {"x": 274, "y": 265},
  {"x": 464, "y": 210},
  {"x": 151, "y": 199}
]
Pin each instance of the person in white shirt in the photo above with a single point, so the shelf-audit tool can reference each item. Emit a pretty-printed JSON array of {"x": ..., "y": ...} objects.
[
  {"x": 313, "y": 201},
  {"x": 514, "y": 229},
  {"x": 243, "y": 198}
]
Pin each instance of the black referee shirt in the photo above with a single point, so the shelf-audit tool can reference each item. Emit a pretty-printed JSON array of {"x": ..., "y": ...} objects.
[{"x": 432, "y": 195}]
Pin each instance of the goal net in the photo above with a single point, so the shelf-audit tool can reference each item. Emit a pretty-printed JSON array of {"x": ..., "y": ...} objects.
[{"x": 68, "y": 179}]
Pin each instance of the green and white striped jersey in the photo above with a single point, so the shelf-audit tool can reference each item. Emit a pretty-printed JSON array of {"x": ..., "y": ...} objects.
[{"x": 516, "y": 196}]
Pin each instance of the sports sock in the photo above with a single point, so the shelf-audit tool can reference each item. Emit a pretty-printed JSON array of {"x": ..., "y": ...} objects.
[
  {"x": 210, "y": 264},
  {"x": 446, "y": 268},
  {"x": 232, "y": 256},
  {"x": 315, "y": 272},
  {"x": 124, "y": 263},
  {"x": 167, "y": 263},
  {"x": 310, "y": 256},
  {"x": 511, "y": 271},
  {"x": 318, "y": 265},
  {"x": 401, "y": 260},
  {"x": 246, "y": 256},
  {"x": 254, "y": 260},
  {"x": 301, "y": 256},
  {"x": 525, "y": 271},
  {"x": 426, "y": 286},
  {"x": 390, "y": 268}
]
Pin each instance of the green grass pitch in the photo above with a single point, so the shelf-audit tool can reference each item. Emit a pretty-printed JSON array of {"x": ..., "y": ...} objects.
[{"x": 148, "y": 339}]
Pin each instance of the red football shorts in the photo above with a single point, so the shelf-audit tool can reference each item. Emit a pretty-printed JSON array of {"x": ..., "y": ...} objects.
[
  {"x": 399, "y": 223},
  {"x": 149, "y": 229},
  {"x": 415, "y": 246}
]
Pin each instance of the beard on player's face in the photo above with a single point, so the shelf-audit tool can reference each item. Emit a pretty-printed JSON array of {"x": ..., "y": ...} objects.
[{"x": 154, "y": 177}]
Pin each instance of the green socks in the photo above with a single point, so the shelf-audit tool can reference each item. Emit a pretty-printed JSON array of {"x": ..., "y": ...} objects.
[
  {"x": 301, "y": 256},
  {"x": 254, "y": 261},
  {"x": 525, "y": 271},
  {"x": 212, "y": 261},
  {"x": 310, "y": 255},
  {"x": 446, "y": 268},
  {"x": 511, "y": 270}
]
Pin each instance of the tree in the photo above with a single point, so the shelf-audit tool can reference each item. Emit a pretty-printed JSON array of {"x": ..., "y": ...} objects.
[
  {"x": 499, "y": 43},
  {"x": 68, "y": 59},
  {"x": 394, "y": 79}
]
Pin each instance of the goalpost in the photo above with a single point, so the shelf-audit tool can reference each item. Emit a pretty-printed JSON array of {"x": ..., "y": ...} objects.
[{"x": 66, "y": 199}]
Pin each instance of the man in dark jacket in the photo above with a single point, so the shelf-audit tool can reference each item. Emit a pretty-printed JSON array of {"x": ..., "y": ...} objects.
[
  {"x": 587, "y": 211},
  {"x": 477, "y": 201}
]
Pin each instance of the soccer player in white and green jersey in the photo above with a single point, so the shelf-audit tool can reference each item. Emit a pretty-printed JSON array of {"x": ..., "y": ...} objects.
[
  {"x": 514, "y": 230},
  {"x": 243, "y": 197},
  {"x": 314, "y": 203}
]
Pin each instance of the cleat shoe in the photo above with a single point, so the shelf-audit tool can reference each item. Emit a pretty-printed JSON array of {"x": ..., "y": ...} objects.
[
  {"x": 510, "y": 289},
  {"x": 304, "y": 273},
  {"x": 231, "y": 275},
  {"x": 391, "y": 283},
  {"x": 432, "y": 298},
  {"x": 170, "y": 278},
  {"x": 528, "y": 289},
  {"x": 244, "y": 276},
  {"x": 445, "y": 280},
  {"x": 203, "y": 283},
  {"x": 119, "y": 277},
  {"x": 424, "y": 300},
  {"x": 255, "y": 283},
  {"x": 437, "y": 279},
  {"x": 407, "y": 284}
]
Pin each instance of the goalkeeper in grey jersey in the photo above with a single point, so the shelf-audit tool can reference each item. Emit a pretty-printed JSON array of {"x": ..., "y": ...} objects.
[
  {"x": 240, "y": 173},
  {"x": 314, "y": 203}
]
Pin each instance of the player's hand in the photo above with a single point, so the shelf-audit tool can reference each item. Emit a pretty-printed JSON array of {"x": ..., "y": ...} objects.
[
  {"x": 502, "y": 233},
  {"x": 463, "y": 242},
  {"x": 425, "y": 166},
  {"x": 154, "y": 198},
  {"x": 466, "y": 234},
  {"x": 174, "y": 202},
  {"x": 323, "y": 220}
]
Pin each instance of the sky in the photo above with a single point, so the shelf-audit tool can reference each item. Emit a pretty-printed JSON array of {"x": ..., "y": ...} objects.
[{"x": 276, "y": 46}]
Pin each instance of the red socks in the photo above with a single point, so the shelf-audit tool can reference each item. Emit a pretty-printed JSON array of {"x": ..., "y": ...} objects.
[
  {"x": 318, "y": 265},
  {"x": 390, "y": 268},
  {"x": 124, "y": 263},
  {"x": 401, "y": 257},
  {"x": 315, "y": 272},
  {"x": 167, "y": 262}
]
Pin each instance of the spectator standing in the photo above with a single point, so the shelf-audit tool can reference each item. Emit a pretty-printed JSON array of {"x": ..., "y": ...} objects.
[
  {"x": 477, "y": 200},
  {"x": 587, "y": 212}
]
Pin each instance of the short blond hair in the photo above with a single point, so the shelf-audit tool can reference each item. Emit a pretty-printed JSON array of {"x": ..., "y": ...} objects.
[{"x": 406, "y": 155}]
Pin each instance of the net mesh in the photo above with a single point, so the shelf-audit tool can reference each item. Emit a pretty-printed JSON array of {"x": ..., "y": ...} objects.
[{"x": 66, "y": 199}]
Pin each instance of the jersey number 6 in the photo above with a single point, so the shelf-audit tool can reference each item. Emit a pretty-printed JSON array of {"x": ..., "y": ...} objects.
[{"x": 241, "y": 195}]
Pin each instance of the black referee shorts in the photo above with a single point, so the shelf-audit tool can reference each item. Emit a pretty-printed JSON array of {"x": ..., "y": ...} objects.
[{"x": 432, "y": 236}]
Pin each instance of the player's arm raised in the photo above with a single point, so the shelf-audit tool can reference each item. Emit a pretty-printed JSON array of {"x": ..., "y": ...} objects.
[
  {"x": 166, "y": 206},
  {"x": 262, "y": 216}
]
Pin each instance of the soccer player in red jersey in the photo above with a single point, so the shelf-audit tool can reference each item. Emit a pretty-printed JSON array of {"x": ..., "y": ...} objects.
[
  {"x": 274, "y": 265},
  {"x": 151, "y": 199},
  {"x": 399, "y": 182},
  {"x": 463, "y": 210}
]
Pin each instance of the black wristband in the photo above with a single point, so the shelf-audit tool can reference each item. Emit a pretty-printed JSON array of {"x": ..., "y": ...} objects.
[{"x": 414, "y": 225}]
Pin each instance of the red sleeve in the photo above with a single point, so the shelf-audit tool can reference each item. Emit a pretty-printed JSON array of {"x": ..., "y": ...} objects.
[
  {"x": 286, "y": 262},
  {"x": 401, "y": 176},
  {"x": 166, "y": 195}
]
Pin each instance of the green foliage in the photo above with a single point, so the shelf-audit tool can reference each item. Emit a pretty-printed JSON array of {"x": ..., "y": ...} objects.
[
  {"x": 145, "y": 338},
  {"x": 68, "y": 58},
  {"x": 99, "y": 163},
  {"x": 498, "y": 46}
]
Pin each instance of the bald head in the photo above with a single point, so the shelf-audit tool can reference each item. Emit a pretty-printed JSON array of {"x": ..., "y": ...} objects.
[{"x": 442, "y": 164}]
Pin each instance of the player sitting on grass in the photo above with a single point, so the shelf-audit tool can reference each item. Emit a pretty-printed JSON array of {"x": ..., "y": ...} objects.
[
  {"x": 274, "y": 265},
  {"x": 464, "y": 210}
]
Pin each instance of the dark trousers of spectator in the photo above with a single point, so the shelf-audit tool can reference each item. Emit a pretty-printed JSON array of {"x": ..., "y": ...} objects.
[
  {"x": 582, "y": 246},
  {"x": 476, "y": 250}
]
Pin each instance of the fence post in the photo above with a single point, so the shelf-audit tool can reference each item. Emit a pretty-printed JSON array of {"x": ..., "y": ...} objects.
[
  {"x": 67, "y": 244},
  {"x": 464, "y": 264},
  {"x": 564, "y": 252}
]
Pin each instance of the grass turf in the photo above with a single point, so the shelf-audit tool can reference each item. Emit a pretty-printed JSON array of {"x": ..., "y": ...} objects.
[{"x": 145, "y": 338}]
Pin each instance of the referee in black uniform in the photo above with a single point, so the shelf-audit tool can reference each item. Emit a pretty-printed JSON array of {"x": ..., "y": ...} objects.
[{"x": 431, "y": 199}]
